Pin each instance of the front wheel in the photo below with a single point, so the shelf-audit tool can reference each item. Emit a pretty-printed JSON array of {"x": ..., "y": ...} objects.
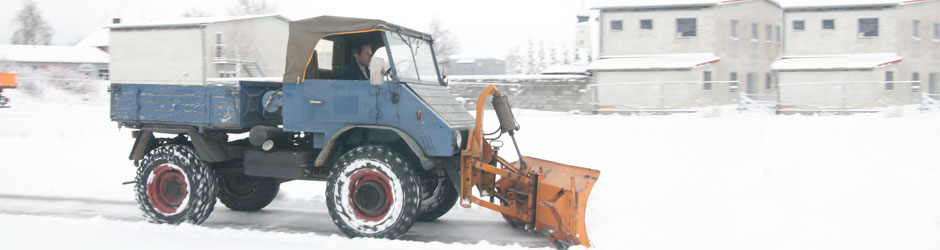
[
  {"x": 174, "y": 185},
  {"x": 373, "y": 192}
]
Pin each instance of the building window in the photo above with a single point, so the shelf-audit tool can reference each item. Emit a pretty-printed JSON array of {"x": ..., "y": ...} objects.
[
  {"x": 915, "y": 82},
  {"x": 828, "y": 24},
  {"x": 733, "y": 85},
  {"x": 734, "y": 29},
  {"x": 916, "y": 31},
  {"x": 868, "y": 27},
  {"x": 685, "y": 27},
  {"x": 768, "y": 35},
  {"x": 616, "y": 25},
  {"x": 754, "y": 35},
  {"x": 777, "y": 34},
  {"x": 889, "y": 80},
  {"x": 103, "y": 74},
  {"x": 799, "y": 25},
  {"x": 768, "y": 81},
  {"x": 751, "y": 87},
  {"x": 932, "y": 84},
  {"x": 936, "y": 32},
  {"x": 707, "y": 80},
  {"x": 218, "y": 44},
  {"x": 646, "y": 24}
]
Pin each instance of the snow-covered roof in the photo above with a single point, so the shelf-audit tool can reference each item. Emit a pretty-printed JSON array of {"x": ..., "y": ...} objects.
[
  {"x": 565, "y": 69},
  {"x": 835, "y": 62},
  {"x": 816, "y": 4},
  {"x": 653, "y": 62},
  {"x": 192, "y": 21},
  {"x": 52, "y": 54},
  {"x": 97, "y": 38},
  {"x": 644, "y": 4}
]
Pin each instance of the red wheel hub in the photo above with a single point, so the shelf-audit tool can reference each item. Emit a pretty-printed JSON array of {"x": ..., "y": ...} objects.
[
  {"x": 370, "y": 194},
  {"x": 168, "y": 190}
]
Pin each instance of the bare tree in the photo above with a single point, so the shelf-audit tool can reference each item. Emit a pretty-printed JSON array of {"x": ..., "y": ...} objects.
[
  {"x": 193, "y": 12},
  {"x": 445, "y": 43},
  {"x": 252, "y": 7},
  {"x": 30, "y": 27}
]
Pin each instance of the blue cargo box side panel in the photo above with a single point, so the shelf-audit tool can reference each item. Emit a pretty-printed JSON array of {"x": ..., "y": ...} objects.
[{"x": 229, "y": 107}]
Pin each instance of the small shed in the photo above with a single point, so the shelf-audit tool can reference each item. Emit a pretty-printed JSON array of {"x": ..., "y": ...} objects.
[
  {"x": 843, "y": 82},
  {"x": 660, "y": 82}
]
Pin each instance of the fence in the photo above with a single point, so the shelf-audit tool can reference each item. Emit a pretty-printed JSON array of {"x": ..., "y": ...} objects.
[
  {"x": 543, "y": 92},
  {"x": 847, "y": 96},
  {"x": 664, "y": 96}
]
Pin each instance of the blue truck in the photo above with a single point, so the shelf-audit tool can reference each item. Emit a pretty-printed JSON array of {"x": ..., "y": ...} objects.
[{"x": 392, "y": 148}]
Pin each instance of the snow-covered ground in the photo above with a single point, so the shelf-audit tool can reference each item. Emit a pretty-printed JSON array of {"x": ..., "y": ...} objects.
[{"x": 736, "y": 181}]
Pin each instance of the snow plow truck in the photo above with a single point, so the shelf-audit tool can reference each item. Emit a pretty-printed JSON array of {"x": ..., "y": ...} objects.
[{"x": 394, "y": 149}]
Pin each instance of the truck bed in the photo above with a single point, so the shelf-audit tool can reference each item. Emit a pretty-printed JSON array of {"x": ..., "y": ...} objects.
[{"x": 230, "y": 107}]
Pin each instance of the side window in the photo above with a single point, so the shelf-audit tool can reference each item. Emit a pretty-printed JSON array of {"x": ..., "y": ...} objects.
[
  {"x": 685, "y": 27},
  {"x": 777, "y": 34},
  {"x": 768, "y": 34},
  {"x": 707, "y": 80},
  {"x": 616, "y": 25},
  {"x": 916, "y": 31},
  {"x": 768, "y": 81},
  {"x": 646, "y": 24},
  {"x": 733, "y": 86},
  {"x": 868, "y": 27},
  {"x": 799, "y": 25},
  {"x": 828, "y": 24},
  {"x": 889, "y": 80},
  {"x": 218, "y": 44},
  {"x": 734, "y": 28},
  {"x": 754, "y": 35},
  {"x": 324, "y": 51}
]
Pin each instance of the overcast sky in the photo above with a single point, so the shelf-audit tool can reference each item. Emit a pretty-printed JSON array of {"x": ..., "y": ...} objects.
[{"x": 484, "y": 27}]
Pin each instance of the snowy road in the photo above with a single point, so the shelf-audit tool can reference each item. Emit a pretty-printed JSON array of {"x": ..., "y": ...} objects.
[{"x": 290, "y": 216}]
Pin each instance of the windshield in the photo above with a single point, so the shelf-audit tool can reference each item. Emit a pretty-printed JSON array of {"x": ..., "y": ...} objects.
[{"x": 413, "y": 58}]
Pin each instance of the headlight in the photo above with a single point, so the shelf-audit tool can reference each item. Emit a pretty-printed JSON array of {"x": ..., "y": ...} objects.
[{"x": 458, "y": 138}]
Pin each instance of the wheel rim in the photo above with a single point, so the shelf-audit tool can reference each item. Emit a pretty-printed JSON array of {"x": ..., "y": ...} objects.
[
  {"x": 370, "y": 194},
  {"x": 167, "y": 189}
]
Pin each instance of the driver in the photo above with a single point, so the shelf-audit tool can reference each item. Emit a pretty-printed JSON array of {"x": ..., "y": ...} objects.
[{"x": 358, "y": 68}]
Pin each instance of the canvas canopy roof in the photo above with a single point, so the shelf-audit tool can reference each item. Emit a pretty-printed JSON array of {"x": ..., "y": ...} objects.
[
  {"x": 835, "y": 62},
  {"x": 304, "y": 34},
  {"x": 653, "y": 62}
]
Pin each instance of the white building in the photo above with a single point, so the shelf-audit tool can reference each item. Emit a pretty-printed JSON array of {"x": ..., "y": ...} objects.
[
  {"x": 855, "y": 57},
  {"x": 90, "y": 61},
  {"x": 675, "y": 55},
  {"x": 192, "y": 50}
]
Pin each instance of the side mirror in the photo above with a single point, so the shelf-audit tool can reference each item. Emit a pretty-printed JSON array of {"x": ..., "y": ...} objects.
[{"x": 377, "y": 71}]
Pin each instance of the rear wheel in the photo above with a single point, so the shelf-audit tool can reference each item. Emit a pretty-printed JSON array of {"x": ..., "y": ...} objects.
[
  {"x": 247, "y": 193},
  {"x": 173, "y": 186},
  {"x": 373, "y": 192}
]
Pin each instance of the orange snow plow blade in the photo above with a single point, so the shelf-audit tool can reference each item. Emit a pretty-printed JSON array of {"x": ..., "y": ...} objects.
[{"x": 536, "y": 194}]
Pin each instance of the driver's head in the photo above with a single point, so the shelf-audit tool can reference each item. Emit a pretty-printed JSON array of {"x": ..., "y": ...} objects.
[{"x": 362, "y": 54}]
